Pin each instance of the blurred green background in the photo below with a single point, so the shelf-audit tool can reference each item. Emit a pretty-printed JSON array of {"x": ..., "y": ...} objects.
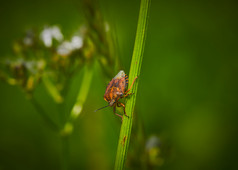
[{"x": 187, "y": 93}]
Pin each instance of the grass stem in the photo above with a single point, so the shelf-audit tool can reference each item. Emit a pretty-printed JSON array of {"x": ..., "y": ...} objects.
[{"x": 125, "y": 133}]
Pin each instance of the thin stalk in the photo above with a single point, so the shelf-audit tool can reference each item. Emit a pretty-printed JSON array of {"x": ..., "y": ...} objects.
[
  {"x": 125, "y": 133},
  {"x": 44, "y": 115}
]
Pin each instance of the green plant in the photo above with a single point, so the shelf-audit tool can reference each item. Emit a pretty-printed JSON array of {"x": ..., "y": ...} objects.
[
  {"x": 125, "y": 133},
  {"x": 47, "y": 57}
]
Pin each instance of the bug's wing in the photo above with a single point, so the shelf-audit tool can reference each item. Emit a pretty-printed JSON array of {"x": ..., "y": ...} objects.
[
  {"x": 109, "y": 86},
  {"x": 122, "y": 77}
]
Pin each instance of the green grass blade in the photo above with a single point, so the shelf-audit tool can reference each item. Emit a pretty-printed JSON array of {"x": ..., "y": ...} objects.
[
  {"x": 125, "y": 133},
  {"x": 81, "y": 98},
  {"x": 83, "y": 92}
]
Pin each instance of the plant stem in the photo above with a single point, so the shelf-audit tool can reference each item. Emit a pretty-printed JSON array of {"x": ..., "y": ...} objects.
[
  {"x": 125, "y": 133},
  {"x": 65, "y": 152},
  {"x": 75, "y": 112}
]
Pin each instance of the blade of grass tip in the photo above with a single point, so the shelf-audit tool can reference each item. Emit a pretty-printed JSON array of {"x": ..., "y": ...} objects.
[
  {"x": 125, "y": 133},
  {"x": 81, "y": 98},
  {"x": 52, "y": 90}
]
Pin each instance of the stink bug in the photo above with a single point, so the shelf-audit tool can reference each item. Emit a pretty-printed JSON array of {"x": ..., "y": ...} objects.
[{"x": 116, "y": 89}]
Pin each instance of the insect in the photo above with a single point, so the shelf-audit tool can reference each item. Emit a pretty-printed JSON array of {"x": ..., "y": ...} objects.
[{"x": 116, "y": 89}]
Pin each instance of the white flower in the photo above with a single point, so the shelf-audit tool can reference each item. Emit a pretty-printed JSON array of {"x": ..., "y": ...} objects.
[
  {"x": 34, "y": 66},
  {"x": 50, "y": 33},
  {"x": 69, "y": 46},
  {"x": 56, "y": 33},
  {"x": 65, "y": 48},
  {"x": 77, "y": 42}
]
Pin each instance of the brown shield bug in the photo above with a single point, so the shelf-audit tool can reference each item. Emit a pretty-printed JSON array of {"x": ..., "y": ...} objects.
[{"x": 116, "y": 89}]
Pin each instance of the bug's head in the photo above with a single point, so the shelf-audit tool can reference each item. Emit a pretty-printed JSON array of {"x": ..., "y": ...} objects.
[{"x": 111, "y": 103}]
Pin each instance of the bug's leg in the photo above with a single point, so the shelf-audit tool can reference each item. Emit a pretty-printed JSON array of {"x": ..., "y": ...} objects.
[
  {"x": 119, "y": 104},
  {"x": 131, "y": 85},
  {"x": 114, "y": 111},
  {"x": 128, "y": 94}
]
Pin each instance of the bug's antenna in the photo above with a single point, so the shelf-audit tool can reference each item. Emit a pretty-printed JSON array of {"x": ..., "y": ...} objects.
[{"x": 101, "y": 108}]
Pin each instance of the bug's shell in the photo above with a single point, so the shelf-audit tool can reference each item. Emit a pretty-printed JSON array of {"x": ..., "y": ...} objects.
[{"x": 116, "y": 88}]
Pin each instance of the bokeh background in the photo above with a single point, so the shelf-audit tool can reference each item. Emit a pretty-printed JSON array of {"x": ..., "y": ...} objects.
[{"x": 187, "y": 96}]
